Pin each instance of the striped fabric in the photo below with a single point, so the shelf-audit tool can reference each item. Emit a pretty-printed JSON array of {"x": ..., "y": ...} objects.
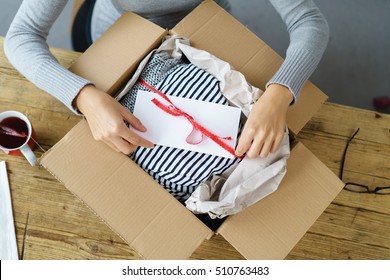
[{"x": 181, "y": 171}]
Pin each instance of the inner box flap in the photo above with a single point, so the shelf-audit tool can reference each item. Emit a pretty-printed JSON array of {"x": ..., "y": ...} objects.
[
  {"x": 211, "y": 28},
  {"x": 112, "y": 59},
  {"x": 270, "y": 229},
  {"x": 126, "y": 198}
]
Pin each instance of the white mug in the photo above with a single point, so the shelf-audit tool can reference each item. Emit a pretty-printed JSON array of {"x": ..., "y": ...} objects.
[{"x": 26, "y": 147}]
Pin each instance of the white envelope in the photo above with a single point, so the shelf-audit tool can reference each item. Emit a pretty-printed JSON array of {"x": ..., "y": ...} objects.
[{"x": 167, "y": 130}]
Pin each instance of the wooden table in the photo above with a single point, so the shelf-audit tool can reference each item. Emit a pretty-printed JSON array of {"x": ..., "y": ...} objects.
[{"x": 51, "y": 223}]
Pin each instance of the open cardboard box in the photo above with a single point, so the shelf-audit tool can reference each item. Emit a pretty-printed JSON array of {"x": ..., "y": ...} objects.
[{"x": 136, "y": 207}]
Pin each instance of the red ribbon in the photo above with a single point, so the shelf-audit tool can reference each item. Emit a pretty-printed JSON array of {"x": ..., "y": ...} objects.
[{"x": 174, "y": 111}]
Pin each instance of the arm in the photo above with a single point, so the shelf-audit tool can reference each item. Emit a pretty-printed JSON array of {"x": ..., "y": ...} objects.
[
  {"x": 26, "y": 48},
  {"x": 309, "y": 32}
]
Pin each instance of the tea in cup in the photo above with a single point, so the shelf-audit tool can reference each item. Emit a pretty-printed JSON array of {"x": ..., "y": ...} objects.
[{"x": 16, "y": 135}]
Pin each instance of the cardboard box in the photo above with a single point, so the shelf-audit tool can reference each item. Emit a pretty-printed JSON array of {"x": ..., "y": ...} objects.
[{"x": 137, "y": 208}]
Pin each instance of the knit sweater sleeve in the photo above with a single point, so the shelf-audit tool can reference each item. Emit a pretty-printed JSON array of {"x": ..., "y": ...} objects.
[
  {"x": 26, "y": 48},
  {"x": 309, "y": 33}
]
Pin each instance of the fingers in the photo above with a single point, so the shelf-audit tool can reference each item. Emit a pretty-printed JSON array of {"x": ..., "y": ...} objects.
[
  {"x": 134, "y": 139},
  {"x": 106, "y": 118},
  {"x": 245, "y": 141},
  {"x": 266, "y": 147},
  {"x": 260, "y": 145},
  {"x": 123, "y": 146},
  {"x": 121, "y": 139},
  {"x": 257, "y": 145},
  {"x": 129, "y": 135},
  {"x": 277, "y": 142},
  {"x": 264, "y": 129},
  {"x": 135, "y": 122}
]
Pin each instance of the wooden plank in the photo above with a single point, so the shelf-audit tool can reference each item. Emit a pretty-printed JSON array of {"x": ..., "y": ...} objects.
[
  {"x": 363, "y": 157},
  {"x": 354, "y": 226},
  {"x": 45, "y": 243},
  {"x": 339, "y": 120},
  {"x": 327, "y": 248},
  {"x": 334, "y": 124},
  {"x": 345, "y": 232}
]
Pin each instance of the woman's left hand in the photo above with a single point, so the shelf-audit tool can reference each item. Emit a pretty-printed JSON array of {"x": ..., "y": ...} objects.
[{"x": 264, "y": 130}]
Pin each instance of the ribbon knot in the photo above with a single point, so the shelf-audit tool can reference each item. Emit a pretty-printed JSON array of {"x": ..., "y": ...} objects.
[{"x": 196, "y": 127}]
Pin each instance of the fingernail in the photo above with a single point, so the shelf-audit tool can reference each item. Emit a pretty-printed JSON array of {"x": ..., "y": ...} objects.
[{"x": 143, "y": 128}]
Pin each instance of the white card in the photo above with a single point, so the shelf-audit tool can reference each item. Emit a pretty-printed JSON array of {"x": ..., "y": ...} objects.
[
  {"x": 172, "y": 131},
  {"x": 8, "y": 247}
]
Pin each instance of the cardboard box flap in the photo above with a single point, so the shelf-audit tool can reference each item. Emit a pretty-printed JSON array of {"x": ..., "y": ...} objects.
[
  {"x": 271, "y": 228},
  {"x": 111, "y": 60},
  {"x": 126, "y": 198},
  {"x": 211, "y": 28},
  {"x": 309, "y": 102}
]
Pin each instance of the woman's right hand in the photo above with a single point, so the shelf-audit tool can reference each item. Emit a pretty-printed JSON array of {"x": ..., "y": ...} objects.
[{"x": 106, "y": 116}]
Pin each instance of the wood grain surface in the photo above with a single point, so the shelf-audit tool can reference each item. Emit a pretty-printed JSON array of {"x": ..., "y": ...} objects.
[{"x": 51, "y": 223}]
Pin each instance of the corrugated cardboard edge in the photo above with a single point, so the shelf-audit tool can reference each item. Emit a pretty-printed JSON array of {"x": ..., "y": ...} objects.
[
  {"x": 257, "y": 61},
  {"x": 272, "y": 227},
  {"x": 42, "y": 163},
  {"x": 136, "y": 230}
]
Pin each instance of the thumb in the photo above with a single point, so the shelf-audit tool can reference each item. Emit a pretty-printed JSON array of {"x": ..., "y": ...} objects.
[{"x": 131, "y": 119}]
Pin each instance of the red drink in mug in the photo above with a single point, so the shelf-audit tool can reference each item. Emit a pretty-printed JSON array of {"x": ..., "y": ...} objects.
[{"x": 16, "y": 135}]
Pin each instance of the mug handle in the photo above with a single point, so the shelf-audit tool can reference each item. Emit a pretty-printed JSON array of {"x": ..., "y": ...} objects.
[{"x": 29, "y": 155}]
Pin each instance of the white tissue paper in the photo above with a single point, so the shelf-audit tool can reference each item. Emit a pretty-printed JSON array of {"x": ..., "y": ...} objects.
[{"x": 8, "y": 248}]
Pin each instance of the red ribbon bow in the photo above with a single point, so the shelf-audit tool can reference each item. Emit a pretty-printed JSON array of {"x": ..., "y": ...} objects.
[{"x": 174, "y": 111}]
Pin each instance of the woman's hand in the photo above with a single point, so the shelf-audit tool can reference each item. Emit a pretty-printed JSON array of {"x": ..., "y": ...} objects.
[
  {"x": 106, "y": 118},
  {"x": 264, "y": 130}
]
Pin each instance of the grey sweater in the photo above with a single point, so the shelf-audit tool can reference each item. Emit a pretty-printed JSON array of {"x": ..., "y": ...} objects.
[{"x": 26, "y": 48}]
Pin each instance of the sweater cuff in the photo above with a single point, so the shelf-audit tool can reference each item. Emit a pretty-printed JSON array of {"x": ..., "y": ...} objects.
[
  {"x": 60, "y": 83},
  {"x": 295, "y": 70}
]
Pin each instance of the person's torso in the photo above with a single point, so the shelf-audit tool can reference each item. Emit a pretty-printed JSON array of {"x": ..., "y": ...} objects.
[
  {"x": 151, "y": 8},
  {"x": 165, "y": 13}
]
